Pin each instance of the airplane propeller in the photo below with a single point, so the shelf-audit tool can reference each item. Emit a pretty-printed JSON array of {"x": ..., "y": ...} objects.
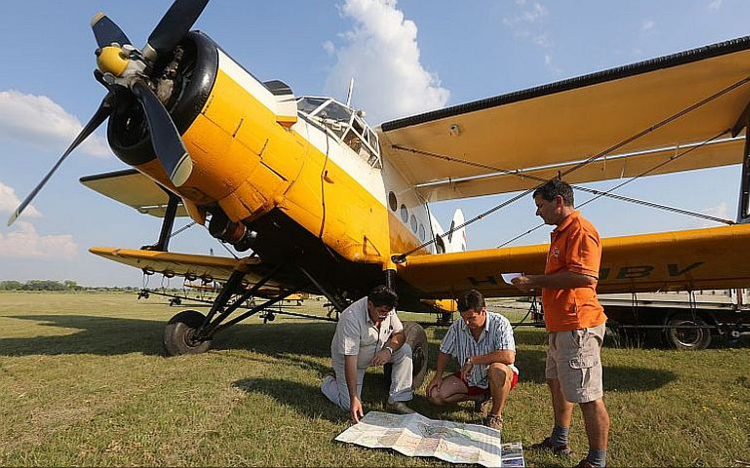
[
  {"x": 175, "y": 23},
  {"x": 107, "y": 32},
  {"x": 123, "y": 68},
  {"x": 101, "y": 114},
  {"x": 166, "y": 139}
]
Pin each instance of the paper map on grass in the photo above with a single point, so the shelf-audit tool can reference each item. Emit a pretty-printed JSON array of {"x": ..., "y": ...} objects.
[{"x": 415, "y": 435}]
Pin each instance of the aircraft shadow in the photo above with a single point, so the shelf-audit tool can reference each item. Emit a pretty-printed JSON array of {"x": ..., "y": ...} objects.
[
  {"x": 92, "y": 335},
  {"x": 112, "y": 336},
  {"x": 306, "y": 399},
  {"x": 299, "y": 343},
  {"x": 532, "y": 366},
  {"x": 310, "y": 401}
]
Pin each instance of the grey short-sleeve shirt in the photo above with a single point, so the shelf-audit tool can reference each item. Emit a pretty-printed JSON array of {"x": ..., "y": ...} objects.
[{"x": 356, "y": 333}]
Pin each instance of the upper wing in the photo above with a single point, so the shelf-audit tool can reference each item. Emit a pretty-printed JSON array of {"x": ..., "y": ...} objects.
[
  {"x": 133, "y": 189},
  {"x": 208, "y": 268},
  {"x": 543, "y": 130},
  {"x": 714, "y": 258}
]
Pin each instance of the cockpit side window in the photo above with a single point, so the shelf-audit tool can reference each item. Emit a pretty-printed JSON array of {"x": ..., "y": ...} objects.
[
  {"x": 345, "y": 123},
  {"x": 309, "y": 104}
]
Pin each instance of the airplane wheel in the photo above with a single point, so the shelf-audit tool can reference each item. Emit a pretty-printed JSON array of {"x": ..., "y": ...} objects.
[
  {"x": 179, "y": 334},
  {"x": 417, "y": 339},
  {"x": 688, "y": 338}
]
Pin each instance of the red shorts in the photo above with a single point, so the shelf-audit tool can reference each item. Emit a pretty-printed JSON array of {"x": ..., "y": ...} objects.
[{"x": 474, "y": 391}]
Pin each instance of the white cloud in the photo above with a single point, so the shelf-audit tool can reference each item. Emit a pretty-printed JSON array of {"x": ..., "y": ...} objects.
[
  {"x": 647, "y": 25},
  {"x": 528, "y": 15},
  {"x": 549, "y": 63},
  {"x": 719, "y": 211},
  {"x": 382, "y": 54},
  {"x": 542, "y": 40},
  {"x": 529, "y": 24},
  {"x": 9, "y": 202},
  {"x": 714, "y": 5},
  {"x": 44, "y": 123},
  {"x": 25, "y": 242}
]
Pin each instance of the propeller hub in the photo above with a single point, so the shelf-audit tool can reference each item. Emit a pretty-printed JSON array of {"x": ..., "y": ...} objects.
[{"x": 112, "y": 59}]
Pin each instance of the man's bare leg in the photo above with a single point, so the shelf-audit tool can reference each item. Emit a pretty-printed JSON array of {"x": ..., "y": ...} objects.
[{"x": 500, "y": 377}]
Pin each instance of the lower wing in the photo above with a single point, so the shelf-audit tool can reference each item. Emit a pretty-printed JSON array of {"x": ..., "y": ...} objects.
[{"x": 714, "y": 258}]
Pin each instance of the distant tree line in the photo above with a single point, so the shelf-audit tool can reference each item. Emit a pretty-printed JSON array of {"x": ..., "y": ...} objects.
[{"x": 49, "y": 285}]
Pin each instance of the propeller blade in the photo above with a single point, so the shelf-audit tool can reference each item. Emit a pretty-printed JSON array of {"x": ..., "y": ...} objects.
[
  {"x": 165, "y": 138},
  {"x": 101, "y": 114},
  {"x": 175, "y": 23},
  {"x": 106, "y": 31}
]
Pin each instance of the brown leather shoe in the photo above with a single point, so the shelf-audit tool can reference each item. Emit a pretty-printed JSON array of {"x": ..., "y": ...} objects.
[
  {"x": 547, "y": 444},
  {"x": 398, "y": 407},
  {"x": 495, "y": 422}
]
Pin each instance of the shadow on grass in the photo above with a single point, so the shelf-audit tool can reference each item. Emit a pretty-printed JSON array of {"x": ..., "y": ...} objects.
[
  {"x": 94, "y": 335},
  {"x": 532, "y": 364},
  {"x": 305, "y": 399},
  {"x": 310, "y": 401},
  {"x": 112, "y": 336},
  {"x": 291, "y": 341}
]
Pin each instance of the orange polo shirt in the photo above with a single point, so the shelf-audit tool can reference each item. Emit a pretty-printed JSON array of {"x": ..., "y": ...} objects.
[{"x": 574, "y": 247}]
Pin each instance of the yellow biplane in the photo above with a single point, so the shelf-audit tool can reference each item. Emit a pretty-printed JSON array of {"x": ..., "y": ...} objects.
[{"x": 332, "y": 206}]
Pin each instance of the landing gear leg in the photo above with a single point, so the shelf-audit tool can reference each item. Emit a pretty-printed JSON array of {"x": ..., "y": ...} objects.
[
  {"x": 415, "y": 337},
  {"x": 191, "y": 332}
]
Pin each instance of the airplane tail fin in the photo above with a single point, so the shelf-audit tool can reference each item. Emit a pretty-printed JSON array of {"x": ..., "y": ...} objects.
[
  {"x": 453, "y": 241},
  {"x": 456, "y": 241}
]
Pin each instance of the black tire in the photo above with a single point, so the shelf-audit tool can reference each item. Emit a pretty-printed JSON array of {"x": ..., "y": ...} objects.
[
  {"x": 417, "y": 339},
  {"x": 692, "y": 339},
  {"x": 179, "y": 334}
]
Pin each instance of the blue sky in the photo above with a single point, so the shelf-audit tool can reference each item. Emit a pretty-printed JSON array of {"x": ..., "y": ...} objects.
[{"x": 407, "y": 56}]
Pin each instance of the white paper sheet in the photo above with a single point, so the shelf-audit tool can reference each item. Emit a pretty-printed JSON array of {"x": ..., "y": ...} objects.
[{"x": 508, "y": 277}]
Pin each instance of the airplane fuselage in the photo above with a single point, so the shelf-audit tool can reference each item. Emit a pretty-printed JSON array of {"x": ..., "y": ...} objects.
[{"x": 254, "y": 155}]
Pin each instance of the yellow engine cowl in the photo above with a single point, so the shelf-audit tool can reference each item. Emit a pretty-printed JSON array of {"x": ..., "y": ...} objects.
[{"x": 235, "y": 130}]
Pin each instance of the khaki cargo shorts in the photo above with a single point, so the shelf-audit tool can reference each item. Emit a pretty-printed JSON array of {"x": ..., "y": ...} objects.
[{"x": 574, "y": 358}]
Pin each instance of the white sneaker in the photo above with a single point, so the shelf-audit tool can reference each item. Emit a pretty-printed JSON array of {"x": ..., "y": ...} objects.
[{"x": 398, "y": 407}]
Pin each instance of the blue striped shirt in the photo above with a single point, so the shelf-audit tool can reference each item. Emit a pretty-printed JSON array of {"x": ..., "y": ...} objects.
[{"x": 496, "y": 336}]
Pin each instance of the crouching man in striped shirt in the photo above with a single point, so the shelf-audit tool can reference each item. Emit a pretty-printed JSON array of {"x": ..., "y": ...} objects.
[{"x": 484, "y": 345}]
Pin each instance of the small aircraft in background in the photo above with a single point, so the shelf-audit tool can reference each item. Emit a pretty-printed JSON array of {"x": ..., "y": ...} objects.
[{"x": 331, "y": 206}]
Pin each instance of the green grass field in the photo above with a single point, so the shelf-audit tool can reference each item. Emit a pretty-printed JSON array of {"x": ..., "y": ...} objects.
[{"x": 85, "y": 382}]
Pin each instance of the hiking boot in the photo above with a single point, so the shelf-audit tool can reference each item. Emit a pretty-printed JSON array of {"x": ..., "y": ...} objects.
[
  {"x": 480, "y": 406},
  {"x": 586, "y": 464},
  {"x": 547, "y": 444},
  {"x": 494, "y": 422},
  {"x": 398, "y": 407}
]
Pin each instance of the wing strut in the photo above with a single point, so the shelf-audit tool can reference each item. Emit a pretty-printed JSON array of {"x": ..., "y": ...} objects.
[
  {"x": 743, "y": 210},
  {"x": 334, "y": 300},
  {"x": 162, "y": 245}
]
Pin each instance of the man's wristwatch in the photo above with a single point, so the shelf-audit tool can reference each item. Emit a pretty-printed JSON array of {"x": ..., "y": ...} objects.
[{"x": 389, "y": 349}]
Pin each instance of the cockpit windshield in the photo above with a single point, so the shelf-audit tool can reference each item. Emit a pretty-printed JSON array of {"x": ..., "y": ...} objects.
[{"x": 344, "y": 122}]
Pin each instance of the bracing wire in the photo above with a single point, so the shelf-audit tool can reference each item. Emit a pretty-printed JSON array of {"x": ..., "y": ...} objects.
[
  {"x": 608, "y": 193},
  {"x": 402, "y": 257}
]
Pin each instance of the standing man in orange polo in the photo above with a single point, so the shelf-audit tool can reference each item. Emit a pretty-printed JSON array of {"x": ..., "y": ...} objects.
[{"x": 574, "y": 319}]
